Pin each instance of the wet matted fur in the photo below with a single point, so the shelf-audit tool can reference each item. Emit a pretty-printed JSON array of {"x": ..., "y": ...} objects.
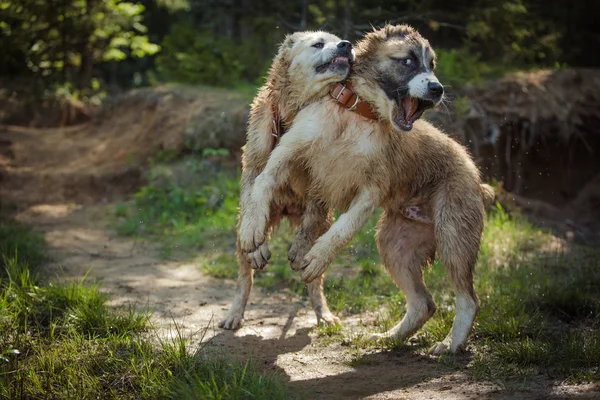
[
  {"x": 306, "y": 66},
  {"x": 357, "y": 165}
]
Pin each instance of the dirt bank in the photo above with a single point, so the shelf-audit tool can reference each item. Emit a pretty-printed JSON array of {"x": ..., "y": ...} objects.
[{"x": 107, "y": 158}]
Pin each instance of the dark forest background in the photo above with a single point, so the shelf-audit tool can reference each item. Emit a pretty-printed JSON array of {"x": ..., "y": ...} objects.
[{"x": 83, "y": 48}]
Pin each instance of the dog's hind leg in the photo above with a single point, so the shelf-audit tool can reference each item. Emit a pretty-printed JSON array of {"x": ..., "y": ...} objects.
[
  {"x": 458, "y": 219},
  {"x": 235, "y": 315},
  {"x": 319, "y": 303},
  {"x": 467, "y": 307},
  {"x": 316, "y": 220},
  {"x": 405, "y": 247}
]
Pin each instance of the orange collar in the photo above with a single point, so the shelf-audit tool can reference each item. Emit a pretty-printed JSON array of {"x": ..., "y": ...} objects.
[{"x": 347, "y": 97}]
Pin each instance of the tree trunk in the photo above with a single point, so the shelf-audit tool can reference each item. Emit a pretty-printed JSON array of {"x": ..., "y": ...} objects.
[
  {"x": 63, "y": 34},
  {"x": 87, "y": 54},
  {"x": 87, "y": 65}
]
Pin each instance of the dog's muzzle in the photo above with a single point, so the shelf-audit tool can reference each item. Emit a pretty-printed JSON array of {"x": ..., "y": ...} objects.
[{"x": 341, "y": 61}]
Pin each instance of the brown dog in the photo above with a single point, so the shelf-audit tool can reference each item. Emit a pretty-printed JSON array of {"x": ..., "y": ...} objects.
[
  {"x": 358, "y": 164},
  {"x": 304, "y": 69}
]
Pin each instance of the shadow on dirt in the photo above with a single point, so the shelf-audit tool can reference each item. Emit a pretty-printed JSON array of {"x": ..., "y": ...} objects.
[
  {"x": 389, "y": 374},
  {"x": 374, "y": 374}
]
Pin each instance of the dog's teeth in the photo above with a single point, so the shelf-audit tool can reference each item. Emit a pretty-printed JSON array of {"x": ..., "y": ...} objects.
[{"x": 340, "y": 59}]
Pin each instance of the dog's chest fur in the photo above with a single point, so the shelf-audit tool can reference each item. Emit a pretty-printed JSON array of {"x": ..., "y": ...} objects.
[{"x": 344, "y": 156}]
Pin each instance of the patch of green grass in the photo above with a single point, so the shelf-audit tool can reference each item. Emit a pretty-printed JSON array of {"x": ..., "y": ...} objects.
[
  {"x": 364, "y": 291},
  {"x": 572, "y": 355},
  {"x": 187, "y": 206},
  {"x": 329, "y": 333},
  {"x": 62, "y": 341},
  {"x": 223, "y": 266},
  {"x": 19, "y": 241},
  {"x": 329, "y": 330},
  {"x": 222, "y": 378}
]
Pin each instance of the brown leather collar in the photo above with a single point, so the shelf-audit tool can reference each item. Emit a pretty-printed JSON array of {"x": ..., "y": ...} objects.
[{"x": 345, "y": 95}]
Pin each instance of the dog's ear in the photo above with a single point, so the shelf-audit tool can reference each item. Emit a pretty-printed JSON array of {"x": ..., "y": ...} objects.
[
  {"x": 282, "y": 54},
  {"x": 284, "y": 47},
  {"x": 288, "y": 41},
  {"x": 281, "y": 62}
]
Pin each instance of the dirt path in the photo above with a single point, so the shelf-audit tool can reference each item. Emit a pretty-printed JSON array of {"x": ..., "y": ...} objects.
[{"x": 277, "y": 331}]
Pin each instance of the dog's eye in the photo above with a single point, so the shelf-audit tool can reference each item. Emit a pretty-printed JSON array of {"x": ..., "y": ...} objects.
[
  {"x": 318, "y": 45},
  {"x": 407, "y": 62},
  {"x": 432, "y": 65}
]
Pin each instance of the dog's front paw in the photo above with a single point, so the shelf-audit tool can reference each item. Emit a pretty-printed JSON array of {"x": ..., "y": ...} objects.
[
  {"x": 297, "y": 251},
  {"x": 232, "y": 322},
  {"x": 259, "y": 259},
  {"x": 312, "y": 267},
  {"x": 252, "y": 233}
]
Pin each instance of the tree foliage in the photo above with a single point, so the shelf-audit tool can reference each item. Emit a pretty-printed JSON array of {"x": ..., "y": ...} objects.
[
  {"x": 475, "y": 38},
  {"x": 64, "y": 41},
  {"x": 225, "y": 42}
]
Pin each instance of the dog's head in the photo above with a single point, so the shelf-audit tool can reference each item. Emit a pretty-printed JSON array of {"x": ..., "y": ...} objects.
[
  {"x": 309, "y": 62},
  {"x": 401, "y": 63}
]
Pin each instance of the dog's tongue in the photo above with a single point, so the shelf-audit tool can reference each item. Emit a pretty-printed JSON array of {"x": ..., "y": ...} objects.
[{"x": 410, "y": 106}]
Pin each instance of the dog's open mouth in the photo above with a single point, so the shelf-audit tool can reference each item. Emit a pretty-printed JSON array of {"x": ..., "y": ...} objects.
[
  {"x": 336, "y": 63},
  {"x": 409, "y": 110}
]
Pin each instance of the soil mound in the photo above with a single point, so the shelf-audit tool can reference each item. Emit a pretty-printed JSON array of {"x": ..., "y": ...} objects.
[{"x": 107, "y": 157}]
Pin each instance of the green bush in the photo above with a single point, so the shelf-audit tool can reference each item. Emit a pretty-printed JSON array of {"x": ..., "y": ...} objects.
[
  {"x": 199, "y": 57},
  {"x": 457, "y": 67},
  {"x": 183, "y": 204}
]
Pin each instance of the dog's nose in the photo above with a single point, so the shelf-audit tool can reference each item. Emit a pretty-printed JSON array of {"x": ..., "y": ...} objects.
[
  {"x": 344, "y": 44},
  {"x": 435, "y": 88}
]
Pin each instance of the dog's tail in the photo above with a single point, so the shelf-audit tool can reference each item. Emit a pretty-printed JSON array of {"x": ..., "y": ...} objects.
[{"x": 458, "y": 213}]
